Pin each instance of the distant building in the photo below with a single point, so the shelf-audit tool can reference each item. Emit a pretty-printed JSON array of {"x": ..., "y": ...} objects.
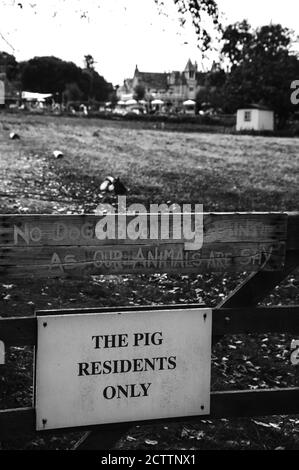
[
  {"x": 173, "y": 88},
  {"x": 256, "y": 118},
  {"x": 2, "y": 89}
]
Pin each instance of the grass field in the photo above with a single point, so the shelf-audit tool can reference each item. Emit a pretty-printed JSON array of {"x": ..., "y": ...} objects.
[{"x": 224, "y": 173}]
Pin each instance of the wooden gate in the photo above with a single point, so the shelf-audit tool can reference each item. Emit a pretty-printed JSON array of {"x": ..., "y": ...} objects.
[{"x": 265, "y": 245}]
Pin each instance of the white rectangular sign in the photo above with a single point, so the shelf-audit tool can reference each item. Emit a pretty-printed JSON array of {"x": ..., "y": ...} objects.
[{"x": 108, "y": 368}]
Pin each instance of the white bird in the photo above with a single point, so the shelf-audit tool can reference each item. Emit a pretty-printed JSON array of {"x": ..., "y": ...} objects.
[
  {"x": 111, "y": 184},
  {"x": 107, "y": 185},
  {"x": 57, "y": 154},
  {"x": 14, "y": 136}
]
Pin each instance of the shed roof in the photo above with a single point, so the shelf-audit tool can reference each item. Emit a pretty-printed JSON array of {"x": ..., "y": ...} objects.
[{"x": 260, "y": 107}]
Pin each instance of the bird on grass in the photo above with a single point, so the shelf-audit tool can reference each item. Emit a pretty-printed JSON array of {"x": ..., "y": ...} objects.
[
  {"x": 14, "y": 136},
  {"x": 113, "y": 185},
  {"x": 57, "y": 154}
]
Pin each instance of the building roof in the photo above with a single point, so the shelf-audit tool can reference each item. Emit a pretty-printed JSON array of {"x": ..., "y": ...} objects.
[
  {"x": 260, "y": 107},
  {"x": 128, "y": 81},
  {"x": 190, "y": 66},
  {"x": 153, "y": 79},
  {"x": 179, "y": 78},
  {"x": 162, "y": 81}
]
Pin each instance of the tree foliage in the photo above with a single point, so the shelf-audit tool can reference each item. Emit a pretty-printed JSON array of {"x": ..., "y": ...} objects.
[
  {"x": 263, "y": 67},
  {"x": 242, "y": 43},
  {"x": 198, "y": 10},
  {"x": 49, "y": 74},
  {"x": 53, "y": 75},
  {"x": 9, "y": 64},
  {"x": 72, "y": 92},
  {"x": 236, "y": 38},
  {"x": 210, "y": 95}
]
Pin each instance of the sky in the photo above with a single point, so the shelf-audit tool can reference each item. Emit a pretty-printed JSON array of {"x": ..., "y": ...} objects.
[{"x": 121, "y": 34}]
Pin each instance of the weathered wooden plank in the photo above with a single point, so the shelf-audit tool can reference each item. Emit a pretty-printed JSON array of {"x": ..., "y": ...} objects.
[
  {"x": 231, "y": 242},
  {"x": 154, "y": 254},
  {"x": 22, "y": 331},
  {"x": 238, "y": 227},
  {"x": 74, "y": 261},
  {"x": 255, "y": 403},
  {"x": 39, "y": 230},
  {"x": 125, "y": 308},
  {"x": 224, "y": 404}
]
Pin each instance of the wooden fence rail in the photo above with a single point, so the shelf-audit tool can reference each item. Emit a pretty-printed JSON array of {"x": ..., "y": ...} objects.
[
  {"x": 22, "y": 331},
  {"x": 230, "y": 404}
]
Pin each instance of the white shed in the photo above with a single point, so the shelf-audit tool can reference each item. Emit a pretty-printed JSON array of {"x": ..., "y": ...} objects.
[
  {"x": 2, "y": 92},
  {"x": 256, "y": 118}
]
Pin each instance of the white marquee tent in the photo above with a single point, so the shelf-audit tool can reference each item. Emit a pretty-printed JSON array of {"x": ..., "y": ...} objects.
[
  {"x": 30, "y": 96},
  {"x": 189, "y": 103}
]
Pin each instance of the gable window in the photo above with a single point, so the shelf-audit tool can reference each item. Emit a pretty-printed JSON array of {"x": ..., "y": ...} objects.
[
  {"x": 247, "y": 116},
  {"x": 191, "y": 73}
]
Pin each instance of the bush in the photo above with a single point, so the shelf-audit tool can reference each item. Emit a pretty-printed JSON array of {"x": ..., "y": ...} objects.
[{"x": 224, "y": 121}]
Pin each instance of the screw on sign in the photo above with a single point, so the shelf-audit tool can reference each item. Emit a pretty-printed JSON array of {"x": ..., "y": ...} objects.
[{"x": 295, "y": 352}]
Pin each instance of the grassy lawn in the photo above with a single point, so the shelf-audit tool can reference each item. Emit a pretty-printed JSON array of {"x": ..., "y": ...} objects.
[{"x": 224, "y": 173}]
